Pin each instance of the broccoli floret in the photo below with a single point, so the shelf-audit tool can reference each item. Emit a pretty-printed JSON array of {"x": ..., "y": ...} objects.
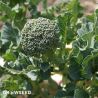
[{"x": 40, "y": 36}]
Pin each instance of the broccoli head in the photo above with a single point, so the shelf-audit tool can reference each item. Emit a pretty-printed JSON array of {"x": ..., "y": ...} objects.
[{"x": 40, "y": 36}]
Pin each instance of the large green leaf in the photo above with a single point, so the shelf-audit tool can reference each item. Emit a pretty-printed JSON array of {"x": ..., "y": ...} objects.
[
  {"x": 44, "y": 66},
  {"x": 20, "y": 63},
  {"x": 9, "y": 34},
  {"x": 60, "y": 94},
  {"x": 90, "y": 65},
  {"x": 80, "y": 93},
  {"x": 9, "y": 55},
  {"x": 86, "y": 33},
  {"x": 4, "y": 8},
  {"x": 74, "y": 70}
]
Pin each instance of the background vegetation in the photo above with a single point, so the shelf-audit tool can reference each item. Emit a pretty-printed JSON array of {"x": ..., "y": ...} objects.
[{"x": 77, "y": 65}]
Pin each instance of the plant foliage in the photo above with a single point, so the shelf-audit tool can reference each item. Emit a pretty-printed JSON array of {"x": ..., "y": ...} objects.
[{"x": 78, "y": 65}]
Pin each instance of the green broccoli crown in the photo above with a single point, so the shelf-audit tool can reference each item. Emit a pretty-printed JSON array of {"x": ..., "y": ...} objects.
[{"x": 40, "y": 36}]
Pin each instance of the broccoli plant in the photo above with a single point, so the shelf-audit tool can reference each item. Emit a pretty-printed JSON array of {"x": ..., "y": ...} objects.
[
  {"x": 39, "y": 36},
  {"x": 51, "y": 53}
]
